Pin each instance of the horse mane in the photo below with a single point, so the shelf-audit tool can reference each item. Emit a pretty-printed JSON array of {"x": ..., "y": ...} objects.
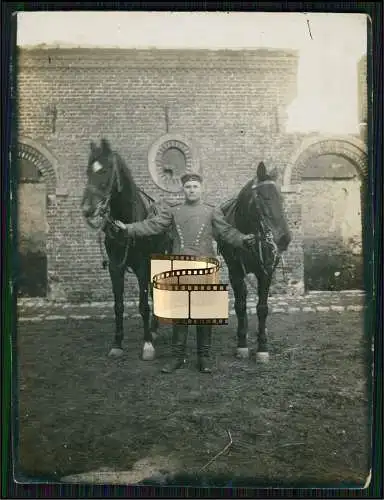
[
  {"x": 245, "y": 193},
  {"x": 138, "y": 197},
  {"x": 236, "y": 208},
  {"x": 126, "y": 171}
]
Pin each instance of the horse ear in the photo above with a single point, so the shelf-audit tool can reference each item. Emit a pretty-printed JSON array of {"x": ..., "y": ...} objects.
[
  {"x": 105, "y": 146},
  {"x": 261, "y": 172},
  {"x": 93, "y": 146}
]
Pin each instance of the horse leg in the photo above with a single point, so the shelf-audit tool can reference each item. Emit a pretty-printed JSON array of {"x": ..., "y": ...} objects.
[
  {"x": 117, "y": 278},
  {"x": 240, "y": 292},
  {"x": 264, "y": 283},
  {"x": 148, "y": 353},
  {"x": 154, "y": 321}
]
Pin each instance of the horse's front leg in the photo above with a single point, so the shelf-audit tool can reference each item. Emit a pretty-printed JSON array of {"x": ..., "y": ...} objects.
[
  {"x": 117, "y": 278},
  {"x": 264, "y": 283},
  {"x": 240, "y": 292},
  {"x": 154, "y": 321},
  {"x": 148, "y": 353}
]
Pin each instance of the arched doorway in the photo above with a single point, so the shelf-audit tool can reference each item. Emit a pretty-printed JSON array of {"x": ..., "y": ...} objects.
[
  {"x": 36, "y": 184},
  {"x": 32, "y": 231},
  {"x": 327, "y": 177}
]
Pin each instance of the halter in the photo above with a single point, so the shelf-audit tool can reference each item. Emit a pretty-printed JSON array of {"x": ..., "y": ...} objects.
[
  {"x": 105, "y": 210},
  {"x": 105, "y": 206}
]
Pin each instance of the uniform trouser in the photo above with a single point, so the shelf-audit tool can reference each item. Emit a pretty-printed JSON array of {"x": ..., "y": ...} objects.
[{"x": 203, "y": 340}]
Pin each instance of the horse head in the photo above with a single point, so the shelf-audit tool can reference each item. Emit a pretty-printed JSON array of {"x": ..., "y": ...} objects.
[
  {"x": 106, "y": 180},
  {"x": 261, "y": 207}
]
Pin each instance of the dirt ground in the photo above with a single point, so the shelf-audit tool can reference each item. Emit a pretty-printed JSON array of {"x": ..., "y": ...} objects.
[{"x": 302, "y": 419}]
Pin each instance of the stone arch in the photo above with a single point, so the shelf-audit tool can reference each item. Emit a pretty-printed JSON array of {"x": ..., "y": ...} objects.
[
  {"x": 351, "y": 148},
  {"x": 36, "y": 236},
  {"x": 43, "y": 160}
]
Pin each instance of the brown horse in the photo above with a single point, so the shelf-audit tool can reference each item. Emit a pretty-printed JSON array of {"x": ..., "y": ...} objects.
[
  {"x": 258, "y": 209},
  {"x": 111, "y": 194}
]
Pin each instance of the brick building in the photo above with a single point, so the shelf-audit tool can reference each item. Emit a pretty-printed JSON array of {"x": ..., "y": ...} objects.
[{"x": 226, "y": 109}]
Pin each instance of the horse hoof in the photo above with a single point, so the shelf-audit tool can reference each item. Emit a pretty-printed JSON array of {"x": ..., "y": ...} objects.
[
  {"x": 116, "y": 352},
  {"x": 262, "y": 357},
  {"x": 242, "y": 352},
  {"x": 148, "y": 352}
]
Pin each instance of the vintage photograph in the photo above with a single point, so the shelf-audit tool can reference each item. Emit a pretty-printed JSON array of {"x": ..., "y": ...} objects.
[{"x": 238, "y": 138}]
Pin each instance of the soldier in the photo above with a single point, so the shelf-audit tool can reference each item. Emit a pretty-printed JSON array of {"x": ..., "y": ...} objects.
[{"x": 193, "y": 225}]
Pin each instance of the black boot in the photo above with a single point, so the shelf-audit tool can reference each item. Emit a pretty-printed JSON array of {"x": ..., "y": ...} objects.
[
  {"x": 204, "y": 341},
  {"x": 179, "y": 341}
]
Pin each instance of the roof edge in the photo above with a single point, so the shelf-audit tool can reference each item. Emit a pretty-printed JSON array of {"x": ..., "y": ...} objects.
[{"x": 88, "y": 48}]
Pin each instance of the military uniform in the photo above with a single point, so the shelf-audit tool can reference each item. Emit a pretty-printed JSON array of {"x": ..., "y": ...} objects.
[{"x": 193, "y": 227}]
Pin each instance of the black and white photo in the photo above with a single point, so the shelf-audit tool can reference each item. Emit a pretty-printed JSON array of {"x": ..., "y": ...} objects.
[{"x": 239, "y": 136}]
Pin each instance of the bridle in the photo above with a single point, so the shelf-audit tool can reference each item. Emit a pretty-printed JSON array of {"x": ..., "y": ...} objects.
[
  {"x": 104, "y": 206},
  {"x": 265, "y": 236},
  {"x": 104, "y": 209}
]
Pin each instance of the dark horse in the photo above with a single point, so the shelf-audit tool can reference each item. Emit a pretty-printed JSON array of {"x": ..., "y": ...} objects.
[
  {"x": 111, "y": 194},
  {"x": 258, "y": 209}
]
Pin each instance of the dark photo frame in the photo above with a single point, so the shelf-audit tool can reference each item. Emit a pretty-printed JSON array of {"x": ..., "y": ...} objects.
[{"x": 78, "y": 423}]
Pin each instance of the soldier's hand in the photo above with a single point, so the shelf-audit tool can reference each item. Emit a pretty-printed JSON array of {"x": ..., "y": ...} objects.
[
  {"x": 120, "y": 226},
  {"x": 249, "y": 240}
]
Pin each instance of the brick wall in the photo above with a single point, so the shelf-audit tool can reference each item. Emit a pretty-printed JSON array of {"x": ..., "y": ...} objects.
[{"x": 230, "y": 104}]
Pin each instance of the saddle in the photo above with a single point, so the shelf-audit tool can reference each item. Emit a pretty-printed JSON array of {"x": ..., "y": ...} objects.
[{"x": 229, "y": 209}]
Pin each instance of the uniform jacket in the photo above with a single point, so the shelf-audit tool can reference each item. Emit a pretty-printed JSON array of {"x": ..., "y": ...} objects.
[{"x": 193, "y": 228}]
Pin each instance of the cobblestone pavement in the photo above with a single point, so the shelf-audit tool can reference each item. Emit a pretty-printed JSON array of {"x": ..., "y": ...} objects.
[{"x": 34, "y": 310}]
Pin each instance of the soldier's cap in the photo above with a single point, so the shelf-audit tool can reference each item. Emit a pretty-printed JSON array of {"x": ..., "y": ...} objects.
[{"x": 191, "y": 176}]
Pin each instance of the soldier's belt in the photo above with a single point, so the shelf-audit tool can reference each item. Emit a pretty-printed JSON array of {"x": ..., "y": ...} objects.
[{"x": 186, "y": 290}]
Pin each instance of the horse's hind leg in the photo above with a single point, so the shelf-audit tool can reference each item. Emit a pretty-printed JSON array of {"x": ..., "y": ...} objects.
[
  {"x": 264, "y": 283},
  {"x": 240, "y": 292},
  {"x": 117, "y": 278},
  {"x": 148, "y": 350}
]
